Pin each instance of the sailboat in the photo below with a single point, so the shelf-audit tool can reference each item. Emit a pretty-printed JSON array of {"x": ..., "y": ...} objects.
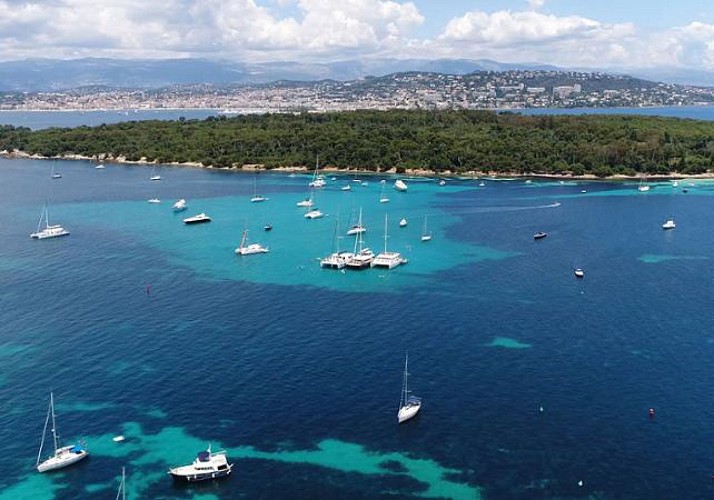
[
  {"x": 55, "y": 175},
  {"x": 50, "y": 230},
  {"x": 387, "y": 259},
  {"x": 409, "y": 405},
  {"x": 253, "y": 248},
  {"x": 643, "y": 185},
  {"x": 357, "y": 228},
  {"x": 121, "y": 493},
  {"x": 257, "y": 198},
  {"x": 425, "y": 235},
  {"x": 382, "y": 195},
  {"x": 62, "y": 456},
  {"x": 361, "y": 257},
  {"x": 318, "y": 180},
  {"x": 307, "y": 202},
  {"x": 154, "y": 175},
  {"x": 337, "y": 259}
]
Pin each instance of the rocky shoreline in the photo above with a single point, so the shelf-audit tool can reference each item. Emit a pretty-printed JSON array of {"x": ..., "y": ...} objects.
[{"x": 327, "y": 169}]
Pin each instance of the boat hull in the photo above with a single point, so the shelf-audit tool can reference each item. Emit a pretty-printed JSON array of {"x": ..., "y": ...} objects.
[
  {"x": 407, "y": 413},
  {"x": 197, "y": 477},
  {"x": 63, "y": 458}
]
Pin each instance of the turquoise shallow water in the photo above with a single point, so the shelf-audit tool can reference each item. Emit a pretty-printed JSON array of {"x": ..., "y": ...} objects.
[{"x": 296, "y": 371}]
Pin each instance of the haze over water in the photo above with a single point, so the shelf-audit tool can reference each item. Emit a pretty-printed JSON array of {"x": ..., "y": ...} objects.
[{"x": 296, "y": 371}]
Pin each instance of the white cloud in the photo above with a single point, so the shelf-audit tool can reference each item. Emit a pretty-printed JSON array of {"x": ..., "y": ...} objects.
[
  {"x": 221, "y": 28},
  {"x": 535, "y": 4}
]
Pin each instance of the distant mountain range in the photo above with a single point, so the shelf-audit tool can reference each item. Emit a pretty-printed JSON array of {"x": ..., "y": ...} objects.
[{"x": 35, "y": 75}]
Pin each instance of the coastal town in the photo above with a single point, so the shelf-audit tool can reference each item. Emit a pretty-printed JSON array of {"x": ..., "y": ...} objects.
[{"x": 502, "y": 90}]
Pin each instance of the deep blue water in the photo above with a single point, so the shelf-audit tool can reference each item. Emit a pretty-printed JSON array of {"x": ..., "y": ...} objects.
[{"x": 296, "y": 371}]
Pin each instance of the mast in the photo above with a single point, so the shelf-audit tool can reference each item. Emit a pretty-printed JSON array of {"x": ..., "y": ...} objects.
[
  {"x": 122, "y": 486},
  {"x": 385, "y": 233},
  {"x": 55, "y": 439},
  {"x": 403, "y": 400},
  {"x": 44, "y": 434},
  {"x": 242, "y": 240}
]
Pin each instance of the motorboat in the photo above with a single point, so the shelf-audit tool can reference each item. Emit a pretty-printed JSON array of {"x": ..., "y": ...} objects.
[
  {"x": 346, "y": 188},
  {"x": 100, "y": 166},
  {"x": 154, "y": 200},
  {"x": 669, "y": 224},
  {"x": 540, "y": 235},
  {"x": 268, "y": 227},
  {"x": 62, "y": 456},
  {"x": 180, "y": 206},
  {"x": 400, "y": 185},
  {"x": 306, "y": 203},
  {"x": 49, "y": 230},
  {"x": 409, "y": 405},
  {"x": 197, "y": 219},
  {"x": 403, "y": 222},
  {"x": 579, "y": 273},
  {"x": 206, "y": 466},
  {"x": 249, "y": 249},
  {"x": 442, "y": 182},
  {"x": 314, "y": 214}
]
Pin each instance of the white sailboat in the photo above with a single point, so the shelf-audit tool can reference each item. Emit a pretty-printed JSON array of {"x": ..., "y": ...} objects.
[
  {"x": 409, "y": 405},
  {"x": 383, "y": 198},
  {"x": 62, "y": 456},
  {"x": 249, "y": 249},
  {"x": 50, "y": 230},
  {"x": 643, "y": 185},
  {"x": 357, "y": 228},
  {"x": 337, "y": 259},
  {"x": 425, "y": 235},
  {"x": 55, "y": 174},
  {"x": 361, "y": 257},
  {"x": 154, "y": 175},
  {"x": 257, "y": 198},
  {"x": 318, "y": 181},
  {"x": 387, "y": 259}
]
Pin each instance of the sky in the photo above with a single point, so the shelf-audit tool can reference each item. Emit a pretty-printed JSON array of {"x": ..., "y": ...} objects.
[{"x": 602, "y": 34}]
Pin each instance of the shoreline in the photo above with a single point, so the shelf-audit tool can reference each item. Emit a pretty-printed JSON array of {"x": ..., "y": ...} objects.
[{"x": 426, "y": 173}]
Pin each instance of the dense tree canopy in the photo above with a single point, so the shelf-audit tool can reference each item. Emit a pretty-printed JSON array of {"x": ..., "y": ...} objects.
[{"x": 458, "y": 141}]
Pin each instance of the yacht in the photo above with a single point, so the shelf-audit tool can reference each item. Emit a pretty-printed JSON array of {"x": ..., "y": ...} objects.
[
  {"x": 207, "y": 465},
  {"x": 179, "y": 206},
  {"x": 361, "y": 258},
  {"x": 400, "y": 185},
  {"x": 409, "y": 405},
  {"x": 540, "y": 235},
  {"x": 197, "y": 219},
  {"x": 314, "y": 214},
  {"x": 579, "y": 273},
  {"x": 346, "y": 188},
  {"x": 253, "y": 248},
  {"x": 669, "y": 224},
  {"x": 49, "y": 230},
  {"x": 306, "y": 203},
  {"x": 154, "y": 200},
  {"x": 62, "y": 455},
  {"x": 387, "y": 259}
]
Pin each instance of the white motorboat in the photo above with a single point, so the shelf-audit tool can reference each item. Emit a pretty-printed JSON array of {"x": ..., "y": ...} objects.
[
  {"x": 100, "y": 166},
  {"x": 409, "y": 405},
  {"x": 62, "y": 456},
  {"x": 442, "y": 182},
  {"x": 197, "y": 219},
  {"x": 403, "y": 222},
  {"x": 400, "y": 185},
  {"x": 154, "y": 200},
  {"x": 306, "y": 203},
  {"x": 314, "y": 214},
  {"x": 208, "y": 465},
  {"x": 346, "y": 188},
  {"x": 387, "y": 259},
  {"x": 249, "y": 249},
  {"x": 669, "y": 224},
  {"x": 180, "y": 206},
  {"x": 49, "y": 230},
  {"x": 579, "y": 272}
]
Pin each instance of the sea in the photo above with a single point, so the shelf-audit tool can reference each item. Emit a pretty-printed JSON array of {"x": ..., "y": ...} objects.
[{"x": 536, "y": 384}]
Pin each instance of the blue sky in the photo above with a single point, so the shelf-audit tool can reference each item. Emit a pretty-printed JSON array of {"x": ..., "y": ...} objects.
[{"x": 598, "y": 34}]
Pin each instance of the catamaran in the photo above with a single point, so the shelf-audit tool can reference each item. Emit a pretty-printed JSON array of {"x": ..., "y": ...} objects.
[
  {"x": 62, "y": 456},
  {"x": 50, "y": 230},
  {"x": 337, "y": 259},
  {"x": 253, "y": 248},
  {"x": 387, "y": 259},
  {"x": 409, "y": 405}
]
